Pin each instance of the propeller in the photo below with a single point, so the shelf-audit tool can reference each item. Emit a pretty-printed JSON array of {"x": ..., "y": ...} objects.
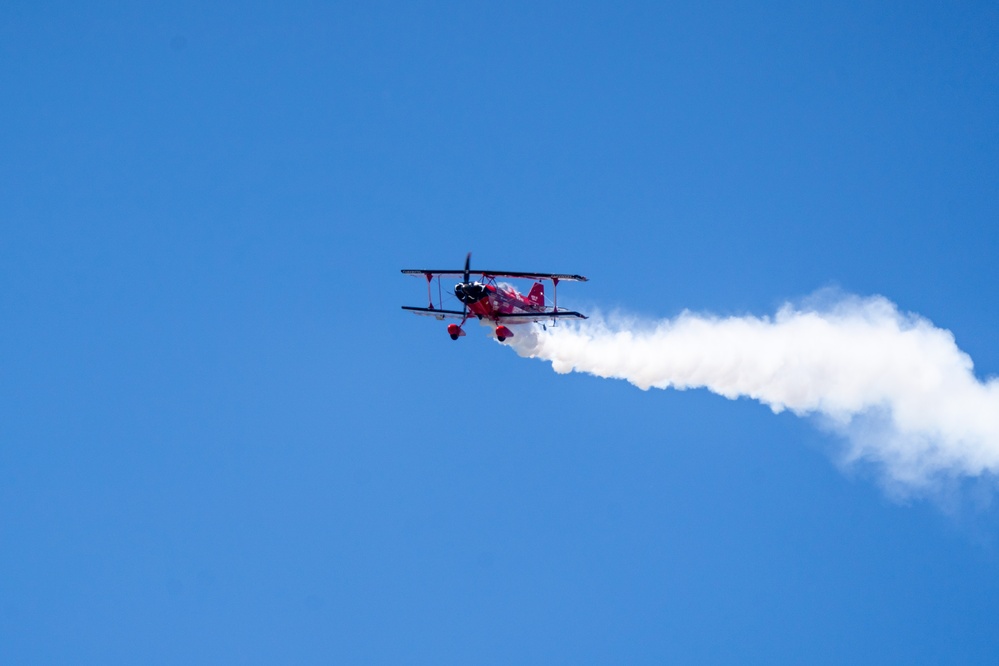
[{"x": 464, "y": 308}]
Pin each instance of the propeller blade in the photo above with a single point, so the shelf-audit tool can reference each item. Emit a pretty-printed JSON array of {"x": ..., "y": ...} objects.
[{"x": 468, "y": 260}]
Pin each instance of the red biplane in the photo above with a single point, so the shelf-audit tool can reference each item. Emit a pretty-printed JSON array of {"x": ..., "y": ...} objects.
[{"x": 498, "y": 303}]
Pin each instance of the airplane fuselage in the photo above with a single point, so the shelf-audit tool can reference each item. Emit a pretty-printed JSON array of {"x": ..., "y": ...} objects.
[{"x": 488, "y": 300}]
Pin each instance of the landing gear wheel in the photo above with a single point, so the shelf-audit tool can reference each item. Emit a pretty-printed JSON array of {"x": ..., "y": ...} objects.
[
  {"x": 500, "y": 338},
  {"x": 454, "y": 337}
]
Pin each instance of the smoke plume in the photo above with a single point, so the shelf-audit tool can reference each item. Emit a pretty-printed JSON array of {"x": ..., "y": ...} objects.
[{"x": 899, "y": 390}]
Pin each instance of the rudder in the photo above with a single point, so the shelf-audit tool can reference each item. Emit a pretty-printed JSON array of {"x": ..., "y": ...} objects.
[{"x": 537, "y": 294}]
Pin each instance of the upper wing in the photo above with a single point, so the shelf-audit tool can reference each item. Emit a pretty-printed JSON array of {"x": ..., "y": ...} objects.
[
  {"x": 433, "y": 312},
  {"x": 426, "y": 271},
  {"x": 566, "y": 277},
  {"x": 561, "y": 277},
  {"x": 530, "y": 317}
]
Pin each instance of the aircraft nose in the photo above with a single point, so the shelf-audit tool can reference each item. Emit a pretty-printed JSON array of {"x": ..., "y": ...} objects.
[{"x": 468, "y": 293}]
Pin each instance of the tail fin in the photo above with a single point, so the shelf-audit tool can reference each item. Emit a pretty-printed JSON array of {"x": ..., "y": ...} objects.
[{"x": 537, "y": 295}]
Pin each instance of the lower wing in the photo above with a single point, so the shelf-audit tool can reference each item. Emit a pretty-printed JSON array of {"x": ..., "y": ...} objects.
[
  {"x": 537, "y": 317},
  {"x": 435, "y": 313}
]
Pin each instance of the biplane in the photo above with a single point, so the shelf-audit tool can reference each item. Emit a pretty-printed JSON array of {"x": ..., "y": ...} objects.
[{"x": 496, "y": 302}]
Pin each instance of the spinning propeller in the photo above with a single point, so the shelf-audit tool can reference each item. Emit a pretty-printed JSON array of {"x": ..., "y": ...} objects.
[{"x": 468, "y": 261}]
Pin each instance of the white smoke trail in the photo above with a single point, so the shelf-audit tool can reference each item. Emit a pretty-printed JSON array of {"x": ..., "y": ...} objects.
[{"x": 899, "y": 389}]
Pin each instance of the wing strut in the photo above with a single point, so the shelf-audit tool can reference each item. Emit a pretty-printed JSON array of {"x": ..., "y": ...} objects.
[{"x": 555, "y": 298}]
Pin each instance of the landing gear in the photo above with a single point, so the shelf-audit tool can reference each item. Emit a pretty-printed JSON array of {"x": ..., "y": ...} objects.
[
  {"x": 500, "y": 338},
  {"x": 454, "y": 336}
]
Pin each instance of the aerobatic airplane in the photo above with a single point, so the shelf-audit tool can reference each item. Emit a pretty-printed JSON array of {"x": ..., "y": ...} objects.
[{"x": 498, "y": 303}]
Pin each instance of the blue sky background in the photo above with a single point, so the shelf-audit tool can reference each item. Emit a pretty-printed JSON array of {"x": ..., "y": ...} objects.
[{"x": 221, "y": 441}]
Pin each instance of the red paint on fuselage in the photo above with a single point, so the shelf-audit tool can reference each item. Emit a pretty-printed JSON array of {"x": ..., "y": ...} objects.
[{"x": 502, "y": 299}]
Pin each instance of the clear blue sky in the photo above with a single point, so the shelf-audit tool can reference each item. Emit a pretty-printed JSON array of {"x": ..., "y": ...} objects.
[{"x": 221, "y": 440}]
